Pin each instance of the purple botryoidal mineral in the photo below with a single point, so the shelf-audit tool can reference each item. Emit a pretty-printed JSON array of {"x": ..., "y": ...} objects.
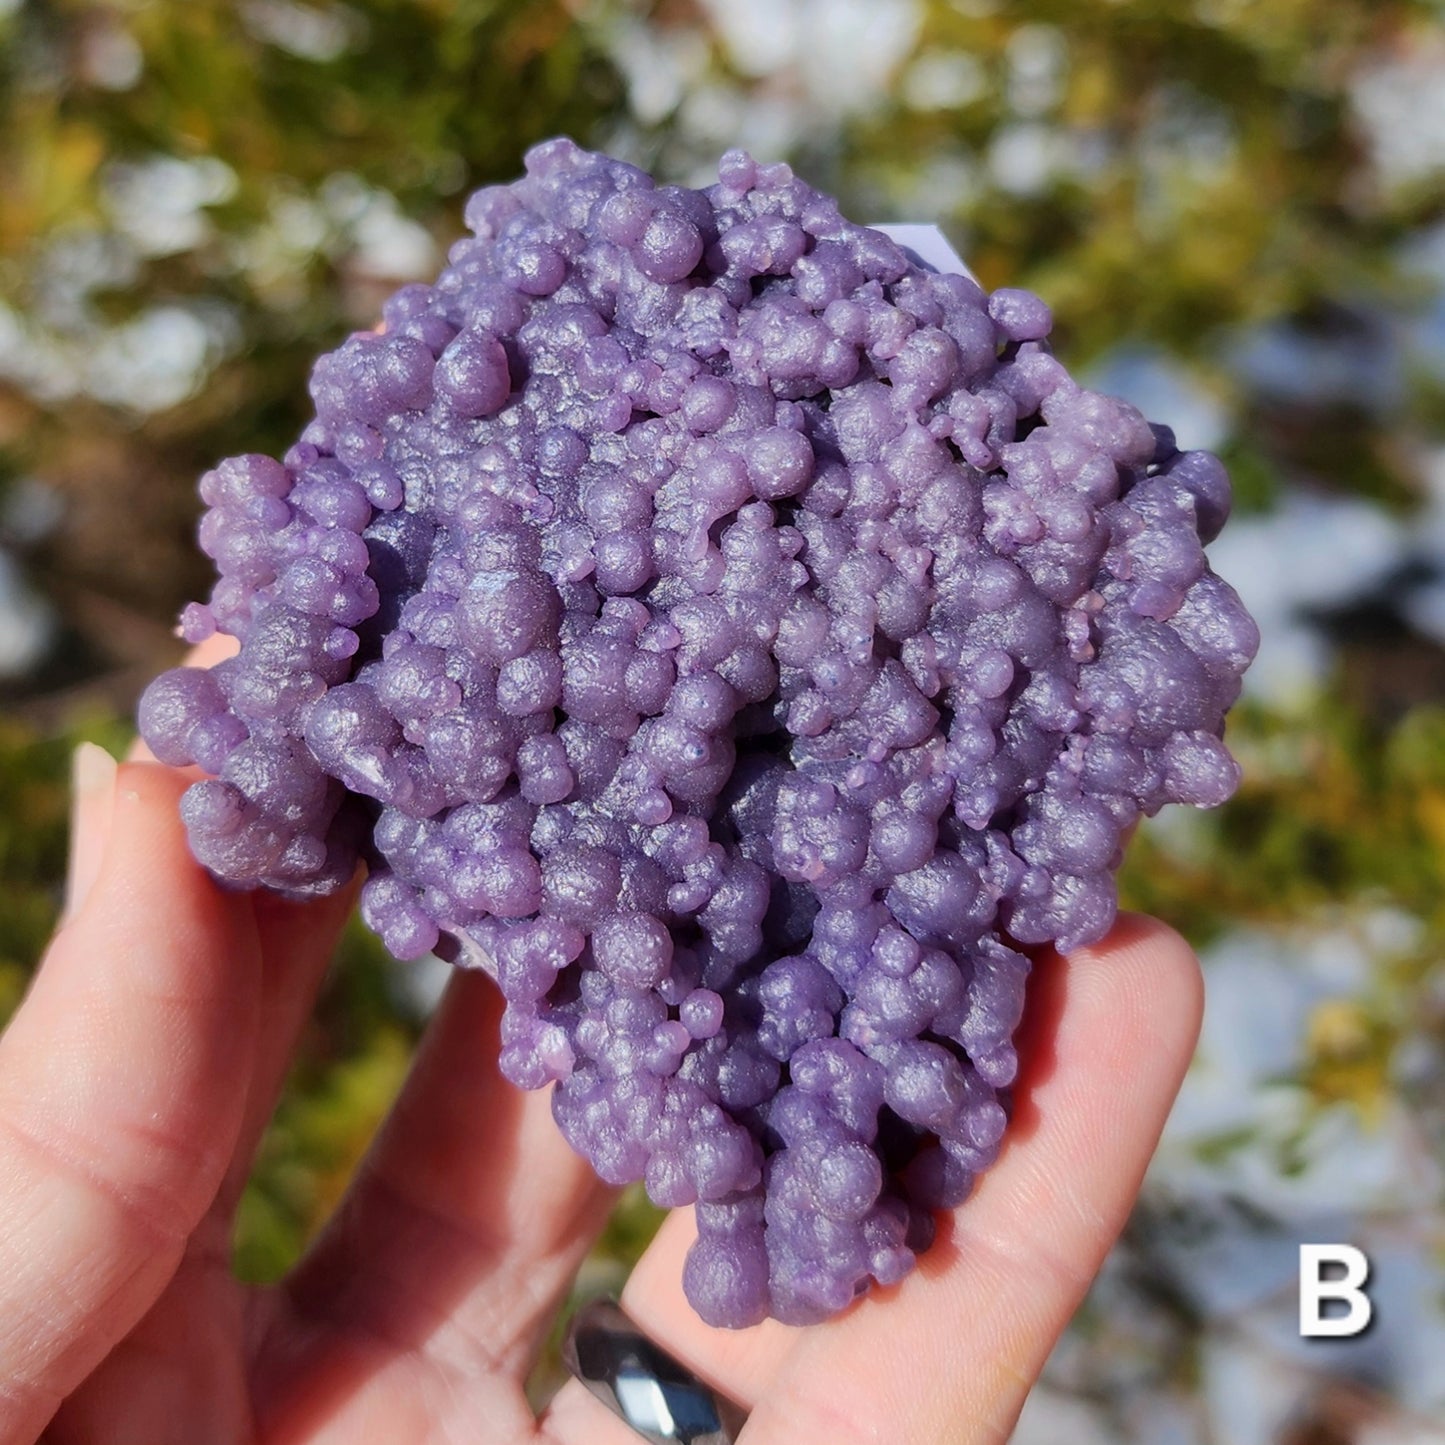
[{"x": 739, "y": 640}]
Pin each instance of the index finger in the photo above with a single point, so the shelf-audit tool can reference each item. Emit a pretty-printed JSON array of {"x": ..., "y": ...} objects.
[{"x": 122, "y": 1089}]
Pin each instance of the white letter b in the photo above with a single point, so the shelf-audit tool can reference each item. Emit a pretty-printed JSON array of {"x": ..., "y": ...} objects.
[{"x": 1314, "y": 1290}]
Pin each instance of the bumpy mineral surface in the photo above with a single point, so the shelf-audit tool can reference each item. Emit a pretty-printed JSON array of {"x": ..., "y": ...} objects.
[{"x": 742, "y": 642}]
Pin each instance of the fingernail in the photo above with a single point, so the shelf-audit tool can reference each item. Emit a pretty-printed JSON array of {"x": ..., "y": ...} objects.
[{"x": 92, "y": 795}]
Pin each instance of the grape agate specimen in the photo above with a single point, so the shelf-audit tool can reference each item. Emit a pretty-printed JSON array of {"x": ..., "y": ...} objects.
[{"x": 741, "y": 642}]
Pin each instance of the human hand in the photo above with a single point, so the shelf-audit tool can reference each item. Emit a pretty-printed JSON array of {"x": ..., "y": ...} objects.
[{"x": 138, "y": 1076}]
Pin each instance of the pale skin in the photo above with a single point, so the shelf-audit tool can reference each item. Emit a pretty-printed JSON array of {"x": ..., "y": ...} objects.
[{"x": 139, "y": 1074}]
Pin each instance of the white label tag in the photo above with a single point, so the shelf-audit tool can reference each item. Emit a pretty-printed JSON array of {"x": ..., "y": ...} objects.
[{"x": 928, "y": 245}]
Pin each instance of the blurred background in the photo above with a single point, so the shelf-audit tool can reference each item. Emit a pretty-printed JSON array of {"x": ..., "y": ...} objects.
[{"x": 1237, "y": 211}]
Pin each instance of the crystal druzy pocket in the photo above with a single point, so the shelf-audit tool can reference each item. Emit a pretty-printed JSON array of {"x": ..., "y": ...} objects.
[{"x": 739, "y": 640}]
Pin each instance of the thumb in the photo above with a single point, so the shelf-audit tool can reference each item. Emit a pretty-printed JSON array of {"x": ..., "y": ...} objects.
[{"x": 122, "y": 1086}]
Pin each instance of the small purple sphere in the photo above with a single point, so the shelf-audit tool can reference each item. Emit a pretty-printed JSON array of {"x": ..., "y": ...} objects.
[{"x": 740, "y": 641}]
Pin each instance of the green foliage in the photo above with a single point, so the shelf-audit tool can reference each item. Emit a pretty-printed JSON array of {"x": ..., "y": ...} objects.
[
  {"x": 1168, "y": 175},
  {"x": 1220, "y": 146},
  {"x": 292, "y": 126},
  {"x": 1338, "y": 818},
  {"x": 1330, "y": 807}
]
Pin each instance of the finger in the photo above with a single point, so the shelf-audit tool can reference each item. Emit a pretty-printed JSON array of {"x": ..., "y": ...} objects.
[
  {"x": 119, "y": 1100},
  {"x": 92, "y": 794},
  {"x": 462, "y": 1230},
  {"x": 297, "y": 940},
  {"x": 952, "y": 1355},
  {"x": 183, "y": 1328}
]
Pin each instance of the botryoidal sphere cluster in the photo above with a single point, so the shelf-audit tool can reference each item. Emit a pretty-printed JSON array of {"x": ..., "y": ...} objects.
[{"x": 741, "y": 641}]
